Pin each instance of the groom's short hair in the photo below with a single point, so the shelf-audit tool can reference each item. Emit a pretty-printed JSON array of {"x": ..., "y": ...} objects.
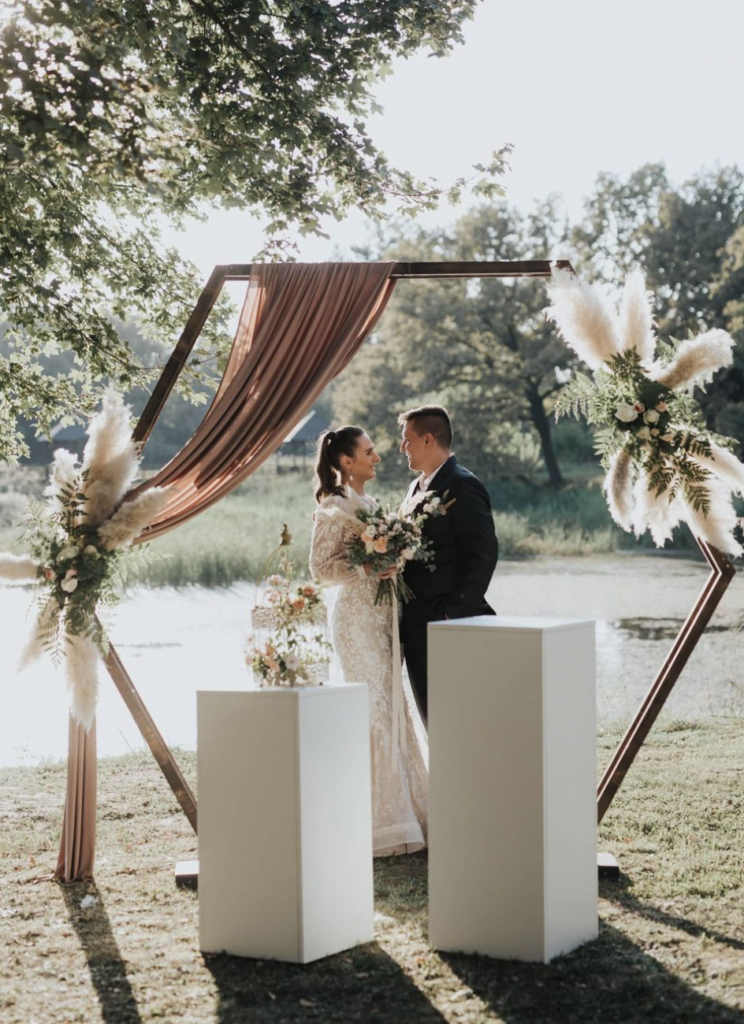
[{"x": 430, "y": 419}]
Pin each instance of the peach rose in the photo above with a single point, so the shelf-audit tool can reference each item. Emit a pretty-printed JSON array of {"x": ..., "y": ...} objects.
[{"x": 380, "y": 545}]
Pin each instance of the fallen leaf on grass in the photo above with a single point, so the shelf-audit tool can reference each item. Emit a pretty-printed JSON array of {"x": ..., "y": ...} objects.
[{"x": 307, "y": 1002}]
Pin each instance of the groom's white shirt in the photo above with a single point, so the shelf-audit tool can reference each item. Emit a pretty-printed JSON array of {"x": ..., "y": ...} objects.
[{"x": 424, "y": 482}]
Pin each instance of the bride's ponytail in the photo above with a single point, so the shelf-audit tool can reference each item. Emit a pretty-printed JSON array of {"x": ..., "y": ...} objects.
[{"x": 332, "y": 444}]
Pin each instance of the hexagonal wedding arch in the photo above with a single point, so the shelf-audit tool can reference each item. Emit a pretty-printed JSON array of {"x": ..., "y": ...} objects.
[{"x": 78, "y": 837}]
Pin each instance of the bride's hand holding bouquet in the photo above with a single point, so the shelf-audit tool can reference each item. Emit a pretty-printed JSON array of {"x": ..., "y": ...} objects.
[{"x": 388, "y": 539}]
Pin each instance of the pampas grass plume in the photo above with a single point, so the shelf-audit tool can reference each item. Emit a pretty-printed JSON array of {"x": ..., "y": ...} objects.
[
  {"x": 17, "y": 567},
  {"x": 725, "y": 465},
  {"x": 655, "y": 512},
  {"x": 636, "y": 317},
  {"x": 33, "y": 648},
  {"x": 583, "y": 318},
  {"x": 130, "y": 520},
  {"x": 110, "y": 457},
  {"x": 618, "y": 488},
  {"x": 717, "y": 528},
  {"x": 81, "y": 663},
  {"x": 62, "y": 473},
  {"x": 696, "y": 360}
]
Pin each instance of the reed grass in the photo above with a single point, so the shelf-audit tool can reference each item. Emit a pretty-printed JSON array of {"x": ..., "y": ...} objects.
[{"x": 232, "y": 540}]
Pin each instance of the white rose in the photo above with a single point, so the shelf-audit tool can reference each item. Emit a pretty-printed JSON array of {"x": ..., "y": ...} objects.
[
  {"x": 407, "y": 553},
  {"x": 68, "y": 585},
  {"x": 435, "y": 501},
  {"x": 67, "y": 553},
  {"x": 644, "y": 433},
  {"x": 626, "y": 413},
  {"x": 651, "y": 416},
  {"x": 292, "y": 662}
]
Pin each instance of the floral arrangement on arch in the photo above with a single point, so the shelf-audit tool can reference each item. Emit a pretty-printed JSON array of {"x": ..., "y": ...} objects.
[
  {"x": 80, "y": 552},
  {"x": 663, "y": 465},
  {"x": 290, "y": 655}
]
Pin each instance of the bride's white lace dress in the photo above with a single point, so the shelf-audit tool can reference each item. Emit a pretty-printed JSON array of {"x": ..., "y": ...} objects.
[{"x": 362, "y": 638}]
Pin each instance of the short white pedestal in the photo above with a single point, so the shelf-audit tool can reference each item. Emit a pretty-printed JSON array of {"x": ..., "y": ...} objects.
[
  {"x": 512, "y": 793},
  {"x": 285, "y": 822}
]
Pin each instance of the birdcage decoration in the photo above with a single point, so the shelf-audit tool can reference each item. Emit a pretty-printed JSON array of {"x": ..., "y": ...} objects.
[{"x": 289, "y": 645}]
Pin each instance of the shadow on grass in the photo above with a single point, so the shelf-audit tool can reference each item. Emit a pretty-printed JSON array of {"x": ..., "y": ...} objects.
[
  {"x": 107, "y": 969},
  {"x": 609, "y": 980},
  {"x": 362, "y": 986},
  {"x": 651, "y": 913}
]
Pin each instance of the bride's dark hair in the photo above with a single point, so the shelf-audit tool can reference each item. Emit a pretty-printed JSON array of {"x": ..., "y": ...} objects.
[{"x": 332, "y": 444}]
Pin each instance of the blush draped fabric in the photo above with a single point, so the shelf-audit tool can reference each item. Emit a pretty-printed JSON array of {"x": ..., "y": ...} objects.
[
  {"x": 78, "y": 847},
  {"x": 299, "y": 327}
]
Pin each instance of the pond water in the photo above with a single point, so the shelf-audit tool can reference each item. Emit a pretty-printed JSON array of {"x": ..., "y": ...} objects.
[{"x": 175, "y": 642}]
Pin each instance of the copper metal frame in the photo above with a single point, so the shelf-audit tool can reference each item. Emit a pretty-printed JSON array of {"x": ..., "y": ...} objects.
[{"x": 722, "y": 571}]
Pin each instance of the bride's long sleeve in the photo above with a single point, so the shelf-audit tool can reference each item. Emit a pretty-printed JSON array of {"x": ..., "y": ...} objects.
[{"x": 328, "y": 558}]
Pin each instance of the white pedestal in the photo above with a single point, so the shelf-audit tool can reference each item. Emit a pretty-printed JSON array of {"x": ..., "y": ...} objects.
[
  {"x": 285, "y": 822},
  {"x": 512, "y": 791}
]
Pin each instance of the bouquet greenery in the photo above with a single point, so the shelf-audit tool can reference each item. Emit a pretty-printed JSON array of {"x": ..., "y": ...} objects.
[{"x": 388, "y": 538}]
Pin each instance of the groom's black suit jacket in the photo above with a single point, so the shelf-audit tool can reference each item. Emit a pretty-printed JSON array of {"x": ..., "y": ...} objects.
[{"x": 465, "y": 556}]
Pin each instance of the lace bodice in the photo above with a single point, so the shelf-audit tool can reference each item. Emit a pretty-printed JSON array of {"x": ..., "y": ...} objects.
[{"x": 328, "y": 559}]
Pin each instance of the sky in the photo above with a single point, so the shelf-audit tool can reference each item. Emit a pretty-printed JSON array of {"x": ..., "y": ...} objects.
[{"x": 578, "y": 87}]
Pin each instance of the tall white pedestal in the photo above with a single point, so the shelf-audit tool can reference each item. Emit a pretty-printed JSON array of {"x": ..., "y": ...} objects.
[
  {"x": 285, "y": 822},
  {"x": 512, "y": 790}
]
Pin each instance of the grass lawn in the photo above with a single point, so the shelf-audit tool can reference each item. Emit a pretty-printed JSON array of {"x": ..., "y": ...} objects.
[{"x": 671, "y": 945}]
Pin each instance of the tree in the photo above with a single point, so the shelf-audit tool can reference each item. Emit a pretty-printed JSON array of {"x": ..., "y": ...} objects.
[
  {"x": 481, "y": 347},
  {"x": 113, "y": 115}
]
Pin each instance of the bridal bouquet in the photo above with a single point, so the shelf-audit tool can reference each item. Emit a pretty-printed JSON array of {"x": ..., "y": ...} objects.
[{"x": 388, "y": 539}]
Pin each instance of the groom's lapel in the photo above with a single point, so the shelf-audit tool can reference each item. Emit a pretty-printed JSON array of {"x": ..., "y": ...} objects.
[{"x": 444, "y": 476}]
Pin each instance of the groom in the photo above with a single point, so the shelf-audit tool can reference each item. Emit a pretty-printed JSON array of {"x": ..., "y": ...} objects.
[{"x": 463, "y": 541}]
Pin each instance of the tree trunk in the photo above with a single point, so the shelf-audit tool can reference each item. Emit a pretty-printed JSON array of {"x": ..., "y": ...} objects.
[{"x": 543, "y": 427}]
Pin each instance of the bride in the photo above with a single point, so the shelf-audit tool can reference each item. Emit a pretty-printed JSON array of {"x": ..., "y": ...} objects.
[{"x": 362, "y": 637}]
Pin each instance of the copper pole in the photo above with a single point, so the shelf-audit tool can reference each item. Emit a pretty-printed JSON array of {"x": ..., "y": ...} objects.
[{"x": 722, "y": 572}]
